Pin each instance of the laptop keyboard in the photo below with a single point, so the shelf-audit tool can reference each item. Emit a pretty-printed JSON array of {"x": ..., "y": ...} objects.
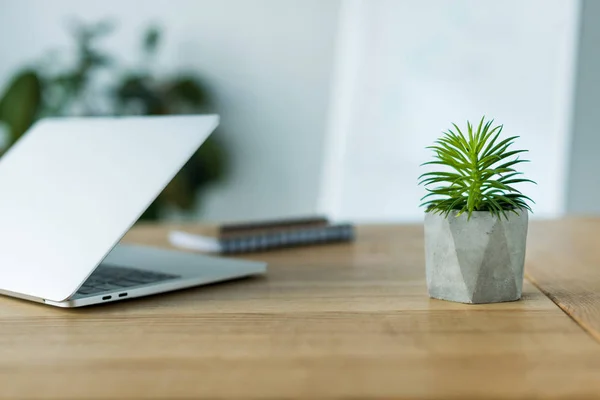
[{"x": 108, "y": 278}]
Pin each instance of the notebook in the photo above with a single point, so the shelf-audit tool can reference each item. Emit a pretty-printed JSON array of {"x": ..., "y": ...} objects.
[
  {"x": 269, "y": 235},
  {"x": 240, "y": 228}
]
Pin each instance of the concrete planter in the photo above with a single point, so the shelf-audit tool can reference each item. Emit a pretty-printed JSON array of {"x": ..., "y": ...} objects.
[{"x": 476, "y": 261}]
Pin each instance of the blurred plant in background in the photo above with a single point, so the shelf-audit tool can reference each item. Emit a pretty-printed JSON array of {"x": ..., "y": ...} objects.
[{"x": 71, "y": 91}]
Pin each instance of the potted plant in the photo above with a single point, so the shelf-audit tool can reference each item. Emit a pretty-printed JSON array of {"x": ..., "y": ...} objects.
[{"x": 475, "y": 219}]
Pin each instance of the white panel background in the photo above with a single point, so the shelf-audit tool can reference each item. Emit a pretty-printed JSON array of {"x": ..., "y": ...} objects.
[{"x": 414, "y": 67}]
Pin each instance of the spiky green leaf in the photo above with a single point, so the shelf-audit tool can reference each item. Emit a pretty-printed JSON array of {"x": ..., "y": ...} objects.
[{"x": 481, "y": 172}]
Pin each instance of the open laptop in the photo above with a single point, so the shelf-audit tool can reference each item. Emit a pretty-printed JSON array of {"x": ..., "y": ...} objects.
[{"x": 71, "y": 188}]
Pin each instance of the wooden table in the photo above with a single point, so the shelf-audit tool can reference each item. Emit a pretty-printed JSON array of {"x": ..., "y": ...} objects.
[{"x": 327, "y": 322}]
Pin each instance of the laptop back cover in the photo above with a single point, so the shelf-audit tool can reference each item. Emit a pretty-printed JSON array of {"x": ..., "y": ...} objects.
[{"x": 71, "y": 188}]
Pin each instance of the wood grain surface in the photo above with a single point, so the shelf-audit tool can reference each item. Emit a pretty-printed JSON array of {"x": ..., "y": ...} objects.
[
  {"x": 340, "y": 321},
  {"x": 564, "y": 261}
]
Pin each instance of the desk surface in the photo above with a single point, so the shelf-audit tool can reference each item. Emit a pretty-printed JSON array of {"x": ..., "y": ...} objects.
[{"x": 335, "y": 321}]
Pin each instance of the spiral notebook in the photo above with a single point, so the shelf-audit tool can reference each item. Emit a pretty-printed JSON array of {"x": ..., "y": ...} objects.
[
  {"x": 254, "y": 227},
  {"x": 264, "y": 240}
]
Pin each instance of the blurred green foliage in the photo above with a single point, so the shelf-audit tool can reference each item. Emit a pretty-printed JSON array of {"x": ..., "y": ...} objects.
[{"x": 38, "y": 92}]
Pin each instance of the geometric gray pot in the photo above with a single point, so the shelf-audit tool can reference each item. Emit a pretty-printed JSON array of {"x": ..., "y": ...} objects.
[{"x": 475, "y": 261}]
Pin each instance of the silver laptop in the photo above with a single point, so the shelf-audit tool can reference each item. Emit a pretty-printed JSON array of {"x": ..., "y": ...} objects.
[{"x": 71, "y": 188}]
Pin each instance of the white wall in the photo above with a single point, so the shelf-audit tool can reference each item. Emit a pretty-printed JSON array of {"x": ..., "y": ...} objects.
[
  {"x": 583, "y": 190},
  {"x": 327, "y": 105},
  {"x": 269, "y": 62},
  {"x": 413, "y": 67}
]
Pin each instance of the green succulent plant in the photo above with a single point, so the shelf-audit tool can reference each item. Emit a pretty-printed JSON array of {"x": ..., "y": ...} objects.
[{"x": 480, "y": 173}]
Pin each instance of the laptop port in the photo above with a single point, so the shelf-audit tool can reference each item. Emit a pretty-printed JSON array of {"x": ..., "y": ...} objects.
[
  {"x": 106, "y": 297},
  {"x": 122, "y": 294}
]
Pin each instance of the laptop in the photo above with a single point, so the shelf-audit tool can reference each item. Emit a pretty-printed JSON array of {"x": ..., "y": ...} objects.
[{"x": 70, "y": 188}]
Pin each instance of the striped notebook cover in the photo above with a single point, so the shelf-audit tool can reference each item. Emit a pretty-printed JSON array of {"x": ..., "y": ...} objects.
[
  {"x": 264, "y": 241},
  {"x": 254, "y": 227}
]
